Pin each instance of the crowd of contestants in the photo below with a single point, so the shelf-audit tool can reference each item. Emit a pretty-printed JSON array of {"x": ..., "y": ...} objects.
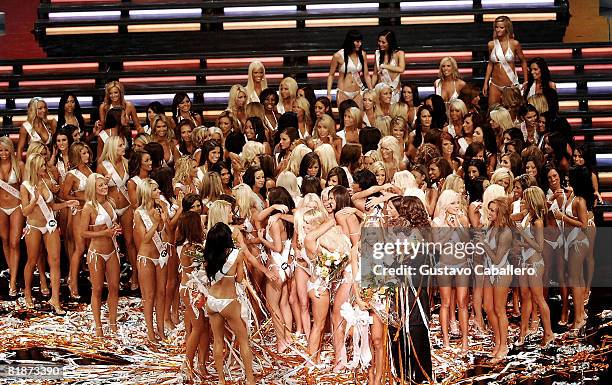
[{"x": 217, "y": 220}]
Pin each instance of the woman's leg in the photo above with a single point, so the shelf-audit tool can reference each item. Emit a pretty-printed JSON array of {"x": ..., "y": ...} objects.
[
  {"x": 577, "y": 254},
  {"x": 32, "y": 239},
  {"x": 462, "y": 303},
  {"x": 561, "y": 266},
  {"x": 338, "y": 325},
  {"x": 286, "y": 312},
  {"x": 445, "y": 299},
  {"x": 146, "y": 278},
  {"x": 171, "y": 289},
  {"x": 232, "y": 315},
  {"x": 500, "y": 296},
  {"x": 320, "y": 309},
  {"x": 4, "y": 235},
  {"x": 273, "y": 296},
  {"x": 41, "y": 266},
  {"x": 488, "y": 305},
  {"x": 378, "y": 343},
  {"x": 75, "y": 258},
  {"x": 526, "y": 306},
  {"x": 204, "y": 346},
  {"x": 161, "y": 276},
  {"x": 128, "y": 234},
  {"x": 53, "y": 245},
  {"x": 218, "y": 327},
  {"x": 113, "y": 274},
  {"x": 16, "y": 230},
  {"x": 294, "y": 304},
  {"x": 96, "y": 273},
  {"x": 301, "y": 285},
  {"x": 193, "y": 341},
  {"x": 537, "y": 295},
  {"x": 495, "y": 95}
]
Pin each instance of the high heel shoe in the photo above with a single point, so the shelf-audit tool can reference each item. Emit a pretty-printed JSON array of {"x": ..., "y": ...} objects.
[
  {"x": 13, "y": 293},
  {"x": 57, "y": 310}
]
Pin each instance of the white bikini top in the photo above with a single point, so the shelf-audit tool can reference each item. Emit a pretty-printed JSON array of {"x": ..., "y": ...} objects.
[
  {"x": 34, "y": 135},
  {"x": 12, "y": 179},
  {"x": 170, "y": 207},
  {"x": 498, "y": 52},
  {"x": 137, "y": 180},
  {"x": 81, "y": 177},
  {"x": 104, "y": 218},
  {"x": 110, "y": 169},
  {"x": 492, "y": 241},
  {"x": 104, "y": 136},
  {"x": 30, "y": 189},
  {"x": 438, "y": 88},
  {"x": 351, "y": 66},
  {"x": 231, "y": 259}
]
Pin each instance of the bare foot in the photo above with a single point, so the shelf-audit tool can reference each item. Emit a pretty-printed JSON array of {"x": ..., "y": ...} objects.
[
  {"x": 113, "y": 328},
  {"x": 99, "y": 331},
  {"x": 500, "y": 356},
  {"x": 152, "y": 338}
]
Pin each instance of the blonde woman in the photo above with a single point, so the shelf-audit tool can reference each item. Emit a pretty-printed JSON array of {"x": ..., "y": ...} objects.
[
  {"x": 289, "y": 182},
  {"x": 99, "y": 222},
  {"x": 384, "y": 95},
  {"x": 327, "y": 158},
  {"x": 37, "y": 127},
  {"x": 350, "y": 62},
  {"x": 162, "y": 133},
  {"x": 74, "y": 188},
  {"x": 114, "y": 97},
  {"x": 504, "y": 177},
  {"x": 501, "y": 70},
  {"x": 237, "y": 103},
  {"x": 390, "y": 152},
  {"x": 295, "y": 158},
  {"x": 380, "y": 172},
  {"x": 456, "y": 111},
  {"x": 500, "y": 121},
  {"x": 185, "y": 176},
  {"x": 287, "y": 91},
  {"x": 449, "y": 83},
  {"x": 114, "y": 166},
  {"x": 11, "y": 217},
  {"x": 256, "y": 81},
  {"x": 212, "y": 189},
  {"x": 370, "y": 100},
  {"x": 150, "y": 219},
  {"x": 301, "y": 107},
  {"x": 352, "y": 125},
  {"x": 325, "y": 133},
  {"x": 531, "y": 231},
  {"x": 250, "y": 152},
  {"x": 37, "y": 203}
]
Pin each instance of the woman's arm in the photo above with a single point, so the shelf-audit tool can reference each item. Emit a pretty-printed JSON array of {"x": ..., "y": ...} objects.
[
  {"x": 275, "y": 233},
  {"x": 504, "y": 244},
  {"x": 521, "y": 56},
  {"x": 62, "y": 205},
  {"x": 272, "y": 275},
  {"x": 330, "y": 77},
  {"x": 65, "y": 192},
  {"x": 579, "y": 220},
  {"x": 23, "y": 136},
  {"x": 132, "y": 194},
  {"x": 265, "y": 213},
  {"x": 131, "y": 111},
  {"x": 310, "y": 240},
  {"x": 27, "y": 204},
  {"x": 485, "y": 86},
  {"x": 366, "y": 72},
  {"x": 400, "y": 58},
  {"x": 537, "y": 241}
]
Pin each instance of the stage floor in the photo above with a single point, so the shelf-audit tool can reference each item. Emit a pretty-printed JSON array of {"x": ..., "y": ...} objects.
[{"x": 126, "y": 358}]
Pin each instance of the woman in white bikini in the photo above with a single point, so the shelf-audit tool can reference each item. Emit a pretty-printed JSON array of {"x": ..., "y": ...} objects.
[
  {"x": 287, "y": 91},
  {"x": 389, "y": 63},
  {"x": 114, "y": 97},
  {"x": 37, "y": 202},
  {"x": 501, "y": 71},
  {"x": 150, "y": 219},
  {"x": 114, "y": 166},
  {"x": 531, "y": 231},
  {"x": 449, "y": 83},
  {"x": 497, "y": 242},
  {"x": 74, "y": 188},
  {"x": 164, "y": 135},
  {"x": 11, "y": 217},
  {"x": 99, "y": 220},
  {"x": 37, "y": 127},
  {"x": 350, "y": 62},
  {"x": 256, "y": 81}
]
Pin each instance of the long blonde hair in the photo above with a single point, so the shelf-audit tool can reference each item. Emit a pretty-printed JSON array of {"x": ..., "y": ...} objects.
[
  {"x": 392, "y": 144},
  {"x": 291, "y": 84},
  {"x": 250, "y": 87},
  {"x": 329, "y": 123},
  {"x": 218, "y": 212},
  {"x": 536, "y": 201},
  {"x": 34, "y": 162},
  {"x": 107, "y": 89},
  {"x": 455, "y": 68},
  {"x": 507, "y": 23},
  {"x": 74, "y": 154},
  {"x": 212, "y": 186},
  {"x": 304, "y": 105},
  {"x": 8, "y": 143},
  {"x": 295, "y": 159},
  {"x": 90, "y": 190},
  {"x": 245, "y": 199},
  {"x": 356, "y": 115},
  {"x": 233, "y": 97},
  {"x": 109, "y": 152},
  {"x": 33, "y": 109},
  {"x": 182, "y": 169},
  {"x": 327, "y": 158},
  {"x": 144, "y": 192},
  {"x": 169, "y": 131}
]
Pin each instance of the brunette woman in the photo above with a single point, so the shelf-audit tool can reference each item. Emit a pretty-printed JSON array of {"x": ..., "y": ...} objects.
[
  {"x": 389, "y": 63},
  {"x": 74, "y": 188},
  {"x": 99, "y": 220},
  {"x": 349, "y": 62},
  {"x": 182, "y": 109}
]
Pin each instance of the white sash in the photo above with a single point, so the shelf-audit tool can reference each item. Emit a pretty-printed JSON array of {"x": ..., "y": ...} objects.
[
  {"x": 499, "y": 53},
  {"x": 9, "y": 189},
  {"x": 386, "y": 77},
  {"x": 116, "y": 178},
  {"x": 61, "y": 167},
  {"x": 46, "y": 212},
  {"x": 80, "y": 176},
  {"x": 157, "y": 241},
  {"x": 104, "y": 136}
]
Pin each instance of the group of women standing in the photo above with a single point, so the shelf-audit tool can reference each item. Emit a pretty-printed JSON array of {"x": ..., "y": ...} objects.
[{"x": 230, "y": 224}]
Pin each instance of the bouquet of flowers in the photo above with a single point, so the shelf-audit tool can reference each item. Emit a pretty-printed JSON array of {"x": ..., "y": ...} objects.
[
  {"x": 329, "y": 267},
  {"x": 377, "y": 298}
]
